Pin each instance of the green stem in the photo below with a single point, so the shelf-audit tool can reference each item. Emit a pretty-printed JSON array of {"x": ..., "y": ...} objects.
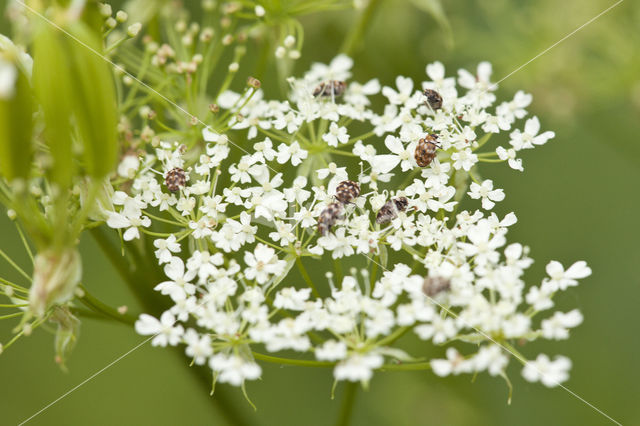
[
  {"x": 290, "y": 361},
  {"x": 393, "y": 336},
  {"x": 152, "y": 303},
  {"x": 15, "y": 266},
  {"x": 357, "y": 31},
  {"x": 306, "y": 277},
  {"x": 348, "y": 401},
  {"x": 406, "y": 367},
  {"x": 220, "y": 401},
  {"x": 106, "y": 310}
]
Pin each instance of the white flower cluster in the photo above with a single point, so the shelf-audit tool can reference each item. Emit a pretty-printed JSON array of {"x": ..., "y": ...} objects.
[{"x": 235, "y": 227}]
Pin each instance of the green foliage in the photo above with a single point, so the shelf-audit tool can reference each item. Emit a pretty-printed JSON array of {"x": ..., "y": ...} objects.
[{"x": 16, "y": 126}]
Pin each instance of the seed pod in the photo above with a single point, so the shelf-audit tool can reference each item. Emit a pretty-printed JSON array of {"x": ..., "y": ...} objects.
[
  {"x": 390, "y": 209},
  {"x": 331, "y": 88},
  {"x": 175, "y": 179},
  {"x": 434, "y": 99},
  {"x": 347, "y": 191},
  {"x": 56, "y": 274},
  {"x": 426, "y": 150},
  {"x": 329, "y": 216},
  {"x": 16, "y": 125},
  {"x": 432, "y": 286}
]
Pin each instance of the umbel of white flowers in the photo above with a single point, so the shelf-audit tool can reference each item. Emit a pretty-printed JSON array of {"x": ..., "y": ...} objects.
[{"x": 242, "y": 238}]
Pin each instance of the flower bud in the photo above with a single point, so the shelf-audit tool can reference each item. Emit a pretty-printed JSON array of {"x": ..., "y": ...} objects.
[
  {"x": 56, "y": 273},
  {"x": 105, "y": 10},
  {"x": 121, "y": 16},
  {"x": 134, "y": 29},
  {"x": 253, "y": 82},
  {"x": 289, "y": 41}
]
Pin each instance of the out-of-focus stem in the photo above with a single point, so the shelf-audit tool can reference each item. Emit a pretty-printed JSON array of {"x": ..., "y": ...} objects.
[
  {"x": 348, "y": 401},
  {"x": 357, "y": 32}
]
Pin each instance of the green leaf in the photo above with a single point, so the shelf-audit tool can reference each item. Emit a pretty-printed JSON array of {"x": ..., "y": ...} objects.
[{"x": 16, "y": 125}]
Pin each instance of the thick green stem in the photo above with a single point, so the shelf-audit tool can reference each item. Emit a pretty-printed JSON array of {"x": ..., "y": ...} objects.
[
  {"x": 220, "y": 400},
  {"x": 357, "y": 32},
  {"x": 348, "y": 401},
  {"x": 306, "y": 277},
  {"x": 138, "y": 283}
]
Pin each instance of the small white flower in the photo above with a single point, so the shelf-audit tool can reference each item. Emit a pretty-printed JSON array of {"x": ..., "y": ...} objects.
[
  {"x": 557, "y": 326},
  {"x": 336, "y": 134},
  {"x": 529, "y": 138},
  {"x": 487, "y": 193},
  {"x": 263, "y": 263},
  {"x": 510, "y": 155},
  {"x": 180, "y": 279},
  {"x": 358, "y": 367},
  {"x": 165, "y": 248},
  {"x": 559, "y": 279},
  {"x": 234, "y": 369},
  {"x": 454, "y": 364},
  {"x": 550, "y": 373},
  {"x": 198, "y": 347},
  {"x": 491, "y": 358},
  {"x": 128, "y": 166},
  {"x": 331, "y": 350},
  {"x": 165, "y": 330}
]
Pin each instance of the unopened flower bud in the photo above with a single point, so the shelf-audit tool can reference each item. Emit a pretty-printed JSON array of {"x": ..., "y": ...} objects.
[
  {"x": 233, "y": 67},
  {"x": 110, "y": 23},
  {"x": 56, "y": 274},
  {"x": 105, "y": 9},
  {"x": 259, "y": 10},
  {"x": 294, "y": 54},
  {"x": 280, "y": 52},
  {"x": 253, "y": 82},
  {"x": 206, "y": 34},
  {"x": 289, "y": 41},
  {"x": 12, "y": 214},
  {"x": 134, "y": 29},
  {"x": 208, "y": 5},
  {"x": 121, "y": 16}
]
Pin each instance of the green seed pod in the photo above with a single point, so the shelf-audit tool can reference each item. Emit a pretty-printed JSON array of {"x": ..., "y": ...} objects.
[
  {"x": 94, "y": 102},
  {"x": 53, "y": 86},
  {"x": 16, "y": 125},
  {"x": 56, "y": 274}
]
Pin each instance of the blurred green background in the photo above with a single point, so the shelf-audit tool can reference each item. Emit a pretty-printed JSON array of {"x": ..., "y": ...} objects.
[{"x": 578, "y": 199}]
